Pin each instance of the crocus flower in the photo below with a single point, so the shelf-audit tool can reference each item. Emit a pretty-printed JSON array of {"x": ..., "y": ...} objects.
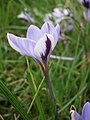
[
  {"x": 85, "y": 113},
  {"x": 39, "y": 43},
  {"x": 26, "y": 17},
  {"x": 64, "y": 18},
  {"x": 86, "y": 4}
]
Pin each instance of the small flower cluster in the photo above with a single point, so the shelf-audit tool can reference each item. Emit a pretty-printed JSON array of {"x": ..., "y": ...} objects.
[{"x": 61, "y": 16}]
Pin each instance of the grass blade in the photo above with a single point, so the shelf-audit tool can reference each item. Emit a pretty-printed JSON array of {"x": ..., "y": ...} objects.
[
  {"x": 34, "y": 89},
  {"x": 12, "y": 99}
]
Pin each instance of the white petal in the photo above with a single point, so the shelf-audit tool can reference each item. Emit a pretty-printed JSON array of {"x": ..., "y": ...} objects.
[
  {"x": 75, "y": 115},
  {"x": 50, "y": 29},
  {"x": 44, "y": 47}
]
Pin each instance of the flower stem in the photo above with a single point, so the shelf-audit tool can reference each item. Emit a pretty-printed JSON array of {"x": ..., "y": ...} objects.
[
  {"x": 46, "y": 74},
  {"x": 48, "y": 83}
]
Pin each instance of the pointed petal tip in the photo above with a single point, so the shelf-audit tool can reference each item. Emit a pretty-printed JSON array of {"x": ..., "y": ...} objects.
[
  {"x": 12, "y": 41},
  {"x": 87, "y": 104},
  {"x": 8, "y": 35},
  {"x": 86, "y": 111},
  {"x": 58, "y": 28},
  {"x": 34, "y": 33}
]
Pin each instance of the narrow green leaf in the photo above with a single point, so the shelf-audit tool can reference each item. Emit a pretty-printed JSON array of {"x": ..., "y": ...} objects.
[
  {"x": 35, "y": 95},
  {"x": 34, "y": 90},
  {"x": 79, "y": 93},
  {"x": 12, "y": 99}
]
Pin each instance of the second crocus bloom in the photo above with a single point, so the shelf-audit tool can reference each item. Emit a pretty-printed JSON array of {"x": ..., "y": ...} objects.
[{"x": 85, "y": 113}]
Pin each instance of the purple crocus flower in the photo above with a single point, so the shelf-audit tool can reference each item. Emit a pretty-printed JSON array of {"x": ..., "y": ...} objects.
[
  {"x": 39, "y": 43},
  {"x": 85, "y": 113},
  {"x": 86, "y": 4}
]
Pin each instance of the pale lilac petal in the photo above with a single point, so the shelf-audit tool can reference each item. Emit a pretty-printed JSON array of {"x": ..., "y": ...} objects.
[
  {"x": 88, "y": 15},
  {"x": 57, "y": 35},
  {"x": 57, "y": 13},
  {"x": 22, "y": 45},
  {"x": 74, "y": 115},
  {"x": 34, "y": 33},
  {"x": 50, "y": 29},
  {"x": 86, "y": 112},
  {"x": 46, "y": 28},
  {"x": 77, "y": 116},
  {"x": 58, "y": 28},
  {"x": 44, "y": 47}
]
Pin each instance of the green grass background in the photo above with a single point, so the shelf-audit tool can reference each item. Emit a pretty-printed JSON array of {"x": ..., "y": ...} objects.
[{"x": 70, "y": 79}]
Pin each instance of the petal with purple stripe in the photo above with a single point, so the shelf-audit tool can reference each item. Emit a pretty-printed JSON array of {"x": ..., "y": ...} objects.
[
  {"x": 57, "y": 33},
  {"x": 22, "y": 45},
  {"x": 34, "y": 33},
  {"x": 73, "y": 114},
  {"x": 86, "y": 112},
  {"x": 50, "y": 29},
  {"x": 57, "y": 29},
  {"x": 47, "y": 51},
  {"x": 46, "y": 28},
  {"x": 44, "y": 47}
]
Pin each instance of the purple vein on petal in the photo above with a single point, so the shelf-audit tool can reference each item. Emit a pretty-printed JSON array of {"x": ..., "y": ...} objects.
[
  {"x": 34, "y": 33},
  {"x": 48, "y": 48},
  {"x": 45, "y": 28},
  {"x": 22, "y": 45},
  {"x": 48, "y": 27}
]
